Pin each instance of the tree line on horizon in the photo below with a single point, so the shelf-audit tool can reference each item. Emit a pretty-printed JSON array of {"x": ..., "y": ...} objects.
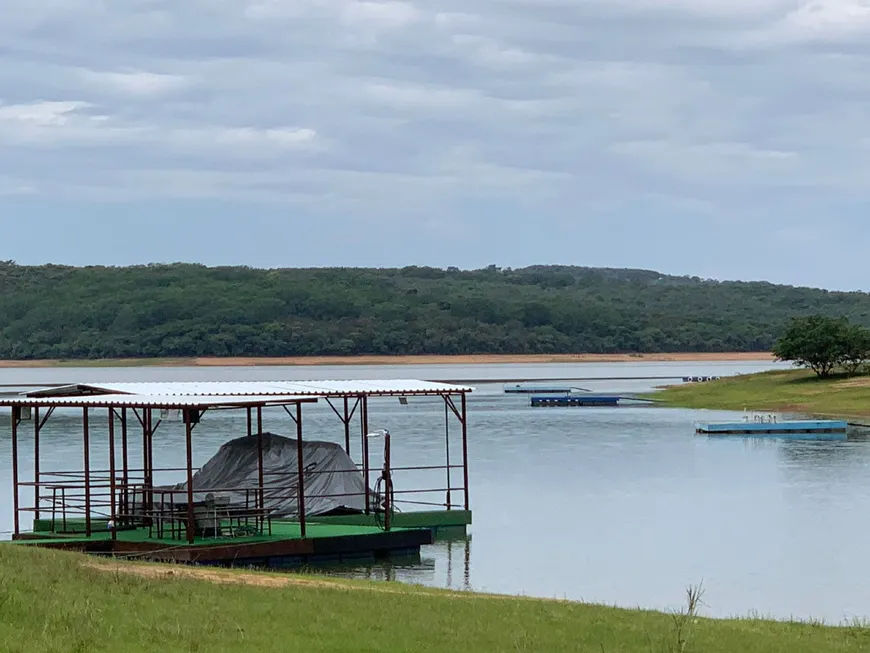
[{"x": 182, "y": 310}]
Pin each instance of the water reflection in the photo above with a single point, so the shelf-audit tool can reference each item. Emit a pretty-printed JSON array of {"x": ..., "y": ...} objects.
[{"x": 446, "y": 564}]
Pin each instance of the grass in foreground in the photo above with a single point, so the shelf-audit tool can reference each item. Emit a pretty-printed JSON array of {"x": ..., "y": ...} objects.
[
  {"x": 66, "y": 602},
  {"x": 798, "y": 391}
]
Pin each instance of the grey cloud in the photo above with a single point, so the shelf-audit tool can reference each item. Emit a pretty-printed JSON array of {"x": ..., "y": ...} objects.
[{"x": 378, "y": 109}]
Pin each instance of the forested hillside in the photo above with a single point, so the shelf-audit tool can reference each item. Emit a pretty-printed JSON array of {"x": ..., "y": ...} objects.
[{"x": 191, "y": 310}]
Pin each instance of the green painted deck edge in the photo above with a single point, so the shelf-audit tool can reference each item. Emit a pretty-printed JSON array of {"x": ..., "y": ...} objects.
[
  {"x": 434, "y": 519},
  {"x": 280, "y": 531}
]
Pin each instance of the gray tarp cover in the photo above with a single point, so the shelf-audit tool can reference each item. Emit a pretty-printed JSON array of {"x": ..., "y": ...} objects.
[{"x": 329, "y": 472}]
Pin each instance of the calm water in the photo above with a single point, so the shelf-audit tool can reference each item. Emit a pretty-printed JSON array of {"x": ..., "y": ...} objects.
[{"x": 622, "y": 506}]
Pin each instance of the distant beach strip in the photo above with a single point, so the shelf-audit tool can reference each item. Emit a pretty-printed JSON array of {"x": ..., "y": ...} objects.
[{"x": 473, "y": 359}]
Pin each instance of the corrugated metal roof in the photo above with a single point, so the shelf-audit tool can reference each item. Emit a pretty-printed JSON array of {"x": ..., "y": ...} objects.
[
  {"x": 154, "y": 401},
  {"x": 377, "y": 387}
]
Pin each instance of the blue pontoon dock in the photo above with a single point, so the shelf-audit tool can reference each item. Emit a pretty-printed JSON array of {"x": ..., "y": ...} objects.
[
  {"x": 793, "y": 429},
  {"x": 575, "y": 400},
  {"x": 585, "y": 399},
  {"x": 542, "y": 388}
]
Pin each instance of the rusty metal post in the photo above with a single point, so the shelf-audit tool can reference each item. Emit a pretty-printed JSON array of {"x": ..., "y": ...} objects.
[
  {"x": 125, "y": 462},
  {"x": 189, "y": 441},
  {"x": 346, "y": 428},
  {"x": 87, "y": 447},
  {"x": 36, "y": 429},
  {"x": 364, "y": 417},
  {"x": 447, "y": 449},
  {"x": 149, "y": 421},
  {"x": 144, "y": 420},
  {"x": 16, "y": 416},
  {"x": 300, "y": 483},
  {"x": 388, "y": 484},
  {"x": 261, "y": 494},
  {"x": 113, "y": 516},
  {"x": 112, "y": 505},
  {"x": 465, "y": 451}
]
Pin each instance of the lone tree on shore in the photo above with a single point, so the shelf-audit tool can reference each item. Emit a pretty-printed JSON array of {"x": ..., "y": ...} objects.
[
  {"x": 823, "y": 344},
  {"x": 856, "y": 349}
]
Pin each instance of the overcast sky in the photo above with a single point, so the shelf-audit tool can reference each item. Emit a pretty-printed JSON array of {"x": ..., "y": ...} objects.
[{"x": 718, "y": 138}]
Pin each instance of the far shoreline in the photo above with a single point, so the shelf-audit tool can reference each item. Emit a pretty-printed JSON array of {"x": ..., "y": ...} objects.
[{"x": 472, "y": 359}]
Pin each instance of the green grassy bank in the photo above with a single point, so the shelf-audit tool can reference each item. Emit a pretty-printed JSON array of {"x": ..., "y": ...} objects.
[
  {"x": 794, "y": 390},
  {"x": 61, "y": 602}
]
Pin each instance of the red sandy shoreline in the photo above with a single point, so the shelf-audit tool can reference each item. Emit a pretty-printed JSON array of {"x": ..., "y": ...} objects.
[{"x": 476, "y": 359}]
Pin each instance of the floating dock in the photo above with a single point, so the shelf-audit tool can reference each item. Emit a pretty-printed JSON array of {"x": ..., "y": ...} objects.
[
  {"x": 700, "y": 379},
  {"x": 529, "y": 388},
  {"x": 263, "y": 499},
  {"x": 575, "y": 400},
  {"x": 794, "y": 429},
  {"x": 282, "y": 546}
]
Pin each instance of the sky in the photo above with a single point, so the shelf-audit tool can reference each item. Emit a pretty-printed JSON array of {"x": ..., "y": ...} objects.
[{"x": 726, "y": 139}]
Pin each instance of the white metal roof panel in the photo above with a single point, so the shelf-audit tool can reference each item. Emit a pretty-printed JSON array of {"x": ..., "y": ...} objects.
[
  {"x": 249, "y": 388},
  {"x": 154, "y": 401}
]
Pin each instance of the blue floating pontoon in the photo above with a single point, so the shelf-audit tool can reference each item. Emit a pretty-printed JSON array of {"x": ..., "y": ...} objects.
[
  {"x": 585, "y": 399},
  {"x": 526, "y": 388},
  {"x": 793, "y": 429}
]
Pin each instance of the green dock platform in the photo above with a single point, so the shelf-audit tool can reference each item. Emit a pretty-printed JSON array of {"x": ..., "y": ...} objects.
[
  {"x": 328, "y": 539},
  {"x": 440, "y": 522},
  {"x": 284, "y": 547}
]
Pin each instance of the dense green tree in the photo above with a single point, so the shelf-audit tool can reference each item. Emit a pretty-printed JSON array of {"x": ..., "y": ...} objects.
[
  {"x": 824, "y": 343},
  {"x": 814, "y": 341},
  {"x": 191, "y": 310}
]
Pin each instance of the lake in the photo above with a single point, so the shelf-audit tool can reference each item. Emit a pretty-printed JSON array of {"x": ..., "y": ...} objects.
[{"x": 620, "y": 506}]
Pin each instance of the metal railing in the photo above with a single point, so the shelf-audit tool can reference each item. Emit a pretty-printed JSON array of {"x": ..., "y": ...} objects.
[{"x": 72, "y": 501}]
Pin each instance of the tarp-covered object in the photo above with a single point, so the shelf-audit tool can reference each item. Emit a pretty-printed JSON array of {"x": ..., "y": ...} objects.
[{"x": 332, "y": 480}]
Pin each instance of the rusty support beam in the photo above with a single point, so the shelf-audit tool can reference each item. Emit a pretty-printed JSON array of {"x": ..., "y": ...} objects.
[
  {"x": 36, "y": 428},
  {"x": 452, "y": 405},
  {"x": 465, "y": 451},
  {"x": 364, "y": 422},
  {"x": 16, "y": 418},
  {"x": 261, "y": 493},
  {"x": 447, "y": 450},
  {"x": 346, "y": 421},
  {"x": 291, "y": 415},
  {"x": 38, "y": 425},
  {"x": 87, "y": 454},
  {"x": 300, "y": 483},
  {"x": 346, "y": 416},
  {"x": 149, "y": 469},
  {"x": 143, "y": 420},
  {"x": 48, "y": 414},
  {"x": 189, "y": 442},
  {"x": 388, "y": 484},
  {"x": 113, "y": 512},
  {"x": 125, "y": 465}
]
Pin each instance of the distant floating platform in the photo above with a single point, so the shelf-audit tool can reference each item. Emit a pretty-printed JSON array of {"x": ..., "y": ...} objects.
[
  {"x": 796, "y": 429},
  {"x": 576, "y": 400},
  {"x": 699, "y": 379},
  {"x": 527, "y": 388}
]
